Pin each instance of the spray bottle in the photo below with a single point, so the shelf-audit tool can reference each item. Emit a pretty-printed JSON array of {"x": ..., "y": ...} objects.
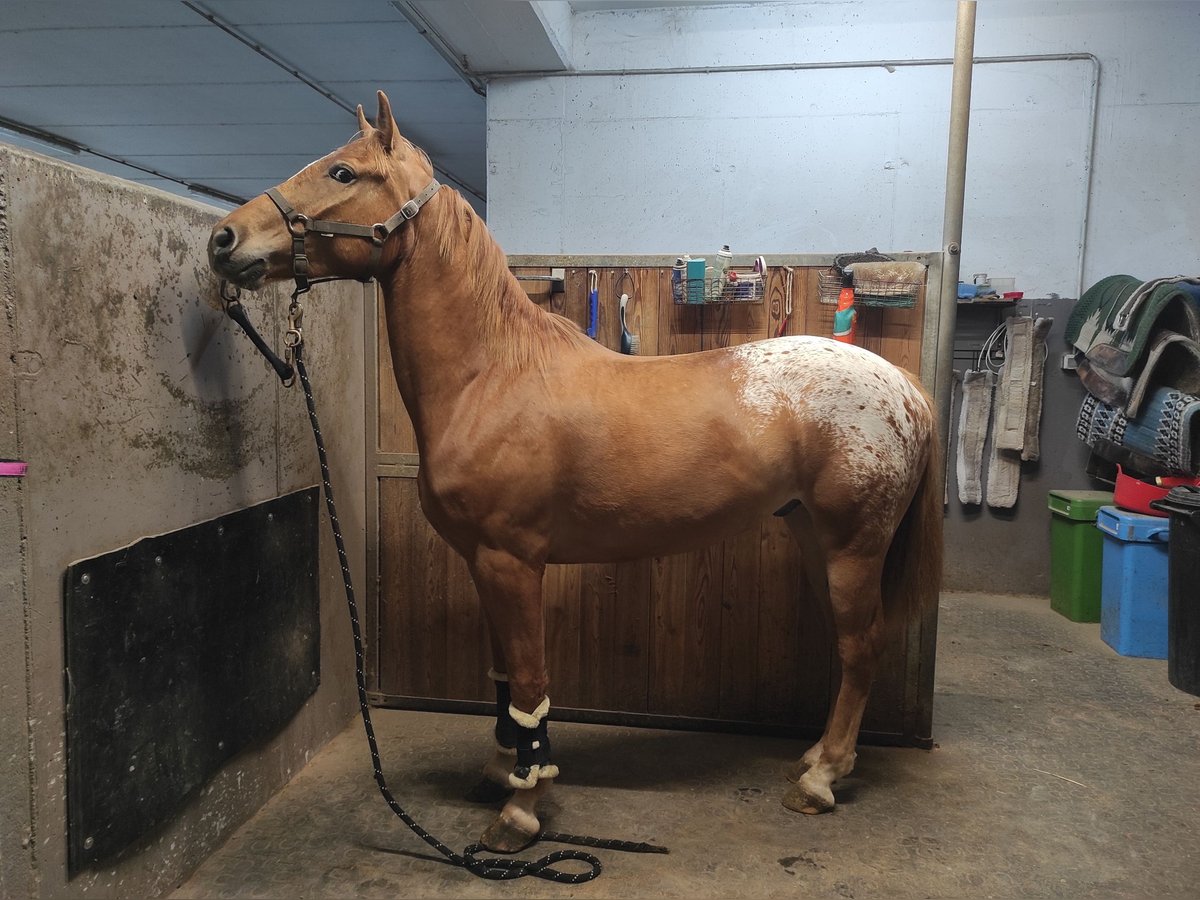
[
  {"x": 845, "y": 318},
  {"x": 678, "y": 275},
  {"x": 720, "y": 273}
]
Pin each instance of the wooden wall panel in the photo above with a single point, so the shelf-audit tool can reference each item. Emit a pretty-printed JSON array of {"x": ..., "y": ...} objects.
[
  {"x": 613, "y": 650},
  {"x": 741, "y": 604},
  {"x": 726, "y": 633},
  {"x": 685, "y": 651},
  {"x": 431, "y": 631},
  {"x": 562, "y": 593},
  {"x": 794, "y": 642}
]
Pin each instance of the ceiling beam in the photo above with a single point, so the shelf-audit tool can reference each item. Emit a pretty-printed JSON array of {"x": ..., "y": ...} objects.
[{"x": 237, "y": 34}]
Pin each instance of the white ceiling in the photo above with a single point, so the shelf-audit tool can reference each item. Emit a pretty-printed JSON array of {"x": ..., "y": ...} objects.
[{"x": 235, "y": 104}]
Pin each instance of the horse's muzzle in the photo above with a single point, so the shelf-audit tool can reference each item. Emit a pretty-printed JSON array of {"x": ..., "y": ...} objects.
[{"x": 242, "y": 269}]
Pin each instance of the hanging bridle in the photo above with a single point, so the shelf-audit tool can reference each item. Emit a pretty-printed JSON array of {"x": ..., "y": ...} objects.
[{"x": 299, "y": 226}]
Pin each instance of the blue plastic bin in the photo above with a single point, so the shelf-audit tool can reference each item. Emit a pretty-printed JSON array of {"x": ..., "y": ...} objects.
[{"x": 1133, "y": 584}]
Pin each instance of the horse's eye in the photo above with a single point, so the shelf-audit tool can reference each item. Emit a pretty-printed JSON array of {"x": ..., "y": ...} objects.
[{"x": 342, "y": 173}]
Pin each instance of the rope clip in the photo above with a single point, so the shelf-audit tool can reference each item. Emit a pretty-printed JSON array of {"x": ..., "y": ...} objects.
[
  {"x": 293, "y": 338},
  {"x": 229, "y": 293}
]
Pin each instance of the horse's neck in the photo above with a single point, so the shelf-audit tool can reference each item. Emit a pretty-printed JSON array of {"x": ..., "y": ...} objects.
[{"x": 443, "y": 335}]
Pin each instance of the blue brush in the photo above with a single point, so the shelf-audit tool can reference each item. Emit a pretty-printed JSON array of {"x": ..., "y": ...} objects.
[{"x": 593, "y": 304}]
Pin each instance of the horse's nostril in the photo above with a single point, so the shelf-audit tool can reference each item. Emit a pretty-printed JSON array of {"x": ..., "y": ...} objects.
[{"x": 224, "y": 239}]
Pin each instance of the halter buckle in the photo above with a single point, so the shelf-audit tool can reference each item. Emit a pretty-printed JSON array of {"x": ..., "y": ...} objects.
[{"x": 410, "y": 209}]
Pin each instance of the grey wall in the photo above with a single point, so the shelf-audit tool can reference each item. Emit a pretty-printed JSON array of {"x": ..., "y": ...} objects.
[
  {"x": 1008, "y": 551},
  {"x": 141, "y": 410}
]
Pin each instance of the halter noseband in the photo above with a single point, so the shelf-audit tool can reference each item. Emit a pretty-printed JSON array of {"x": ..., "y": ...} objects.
[{"x": 299, "y": 225}]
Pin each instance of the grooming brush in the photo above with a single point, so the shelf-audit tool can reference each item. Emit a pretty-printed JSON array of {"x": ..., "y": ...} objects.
[{"x": 630, "y": 343}]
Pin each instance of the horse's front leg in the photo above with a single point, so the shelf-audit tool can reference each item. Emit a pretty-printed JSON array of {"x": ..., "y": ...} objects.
[
  {"x": 511, "y": 592},
  {"x": 494, "y": 785}
]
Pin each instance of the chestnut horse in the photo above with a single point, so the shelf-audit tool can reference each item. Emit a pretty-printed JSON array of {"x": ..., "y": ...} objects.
[{"x": 539, "y": 446}]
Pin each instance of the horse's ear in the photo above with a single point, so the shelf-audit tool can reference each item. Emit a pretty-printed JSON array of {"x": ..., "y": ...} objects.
[
  {"x": 385, "y": 124},
  {"x": 363, "y": 125}
]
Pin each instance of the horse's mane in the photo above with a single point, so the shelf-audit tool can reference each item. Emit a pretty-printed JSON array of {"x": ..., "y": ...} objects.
[{"x": 517, "y": 331}]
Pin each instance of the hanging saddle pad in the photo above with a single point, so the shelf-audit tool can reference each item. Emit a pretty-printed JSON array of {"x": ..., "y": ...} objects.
[
  {"x": 1167, "y": 431},
  {"x": 1126, "y": 330},
  {"x": 1172, "y": 361}
]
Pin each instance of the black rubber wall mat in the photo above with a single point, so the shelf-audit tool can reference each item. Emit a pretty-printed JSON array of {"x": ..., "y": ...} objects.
[{"x": 182, "y": 650}]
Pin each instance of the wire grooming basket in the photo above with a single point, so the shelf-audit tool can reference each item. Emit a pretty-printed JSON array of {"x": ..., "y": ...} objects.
[
  {"x": 829, "y": 285},
  {"x": 743, "y": 286},
  {"x": 830, "y": 281},
  {"x": 892, "y": 294}
]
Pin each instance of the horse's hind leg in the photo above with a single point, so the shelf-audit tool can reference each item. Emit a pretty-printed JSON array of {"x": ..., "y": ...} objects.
[
  {"x": 511, "y": 592},
  {"x": 854, "y": 577},
  {"x": 813, "y": 563}
]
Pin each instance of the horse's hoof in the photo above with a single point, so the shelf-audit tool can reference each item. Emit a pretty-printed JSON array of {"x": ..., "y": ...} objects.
[
  {"x": 487, "y": 791},
  {"x": 506, "y": 836},
  {"x": 808, "y": 801}
]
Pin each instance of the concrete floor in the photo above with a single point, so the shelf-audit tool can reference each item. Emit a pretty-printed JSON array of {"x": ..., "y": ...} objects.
[{"x": 1062, "y": 769}]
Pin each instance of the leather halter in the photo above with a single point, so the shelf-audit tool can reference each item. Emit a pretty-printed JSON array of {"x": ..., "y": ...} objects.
[{"x": 300, "y": 225}]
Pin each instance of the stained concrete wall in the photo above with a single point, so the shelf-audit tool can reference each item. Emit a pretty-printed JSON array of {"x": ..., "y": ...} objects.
[{"x": 141, "y": 410}]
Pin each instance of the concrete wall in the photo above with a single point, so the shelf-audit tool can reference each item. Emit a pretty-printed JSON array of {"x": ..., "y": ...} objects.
[
  {"x": 837, "y": 160},
  {"x": 140, "y": 410}
]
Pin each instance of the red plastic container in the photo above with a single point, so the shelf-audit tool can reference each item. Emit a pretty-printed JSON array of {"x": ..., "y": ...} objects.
[{"x": 1135, "y": 495}]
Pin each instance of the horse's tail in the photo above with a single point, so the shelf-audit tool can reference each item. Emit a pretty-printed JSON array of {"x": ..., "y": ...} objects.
[{"x": 912, "y": 571}]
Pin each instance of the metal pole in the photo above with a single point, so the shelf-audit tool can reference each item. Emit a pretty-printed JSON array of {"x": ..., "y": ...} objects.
[{"x": 952, "y": 217}]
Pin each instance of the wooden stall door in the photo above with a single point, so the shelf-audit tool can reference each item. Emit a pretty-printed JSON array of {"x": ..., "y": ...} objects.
[{"x": 726, "y": 636}]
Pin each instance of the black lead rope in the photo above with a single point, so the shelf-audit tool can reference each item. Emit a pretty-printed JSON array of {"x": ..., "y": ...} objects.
[{"x": 494, "y": 868}]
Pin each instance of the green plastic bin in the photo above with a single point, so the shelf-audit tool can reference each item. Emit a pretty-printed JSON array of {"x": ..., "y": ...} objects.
[{"x": 1076, "y": 550}]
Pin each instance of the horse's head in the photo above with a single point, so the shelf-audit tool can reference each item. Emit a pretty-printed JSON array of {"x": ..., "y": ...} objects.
[{"x": 368, "y": 185}]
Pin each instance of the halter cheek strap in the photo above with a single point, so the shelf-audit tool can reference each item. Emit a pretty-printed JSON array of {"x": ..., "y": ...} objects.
[{"x": 300, "y": 225}]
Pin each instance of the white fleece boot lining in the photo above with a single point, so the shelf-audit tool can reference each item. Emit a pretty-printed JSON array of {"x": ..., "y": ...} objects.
[
  {"x": 533, "y": 719},
  {"x": 524, "y": 784}
]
